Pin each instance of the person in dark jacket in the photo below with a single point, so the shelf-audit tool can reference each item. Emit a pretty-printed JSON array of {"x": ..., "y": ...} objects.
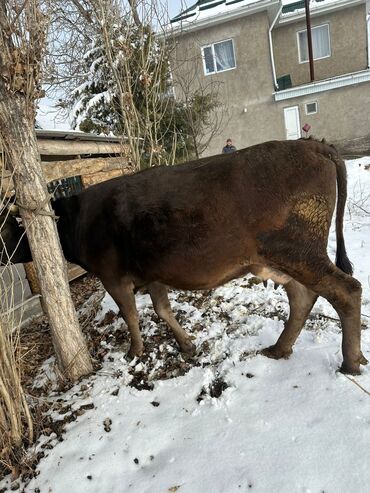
[{"x": 229, "y": 147}]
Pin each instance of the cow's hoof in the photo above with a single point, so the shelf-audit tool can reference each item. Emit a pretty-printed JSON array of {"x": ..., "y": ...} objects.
[
  {"x": 274, "y": 352},
  {"x": 363, "y": 360},
  {"x": 188, "y": 348},
  {"x": 135, "y": 351},
  {"x": 350, "y": 369}
]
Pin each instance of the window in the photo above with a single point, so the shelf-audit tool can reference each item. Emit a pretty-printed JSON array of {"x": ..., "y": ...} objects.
[
  {"x": 320, "y": 43},
  {"x": 311, "y": 108},
  {"x": 218, "y": 57}
]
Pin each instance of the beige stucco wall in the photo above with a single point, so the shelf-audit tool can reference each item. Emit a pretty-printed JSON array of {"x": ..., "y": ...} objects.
[
  {"x": 342, "y": 113},
  {"x": 246, "y": 92},
  {"x": 250, "y": 113},
  {"x": 348, "y": 35}
]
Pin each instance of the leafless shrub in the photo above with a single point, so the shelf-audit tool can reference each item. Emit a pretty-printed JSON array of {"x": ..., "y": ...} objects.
[
  {"x": 189, "y": 87},
  {"x": 16, "y": 424},
  {"x": 114, "y": 71},
  {"x": 359, "y": 203}
]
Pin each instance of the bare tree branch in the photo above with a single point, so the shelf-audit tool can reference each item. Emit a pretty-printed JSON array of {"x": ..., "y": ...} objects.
[
  {"x": 84, "y": 12},
  {"x": 135, "y": 15},
  {"x": 361, "y": 208}
]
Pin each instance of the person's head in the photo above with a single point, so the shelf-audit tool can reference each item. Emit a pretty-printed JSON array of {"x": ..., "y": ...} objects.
[{"x": 229, "y": 142}]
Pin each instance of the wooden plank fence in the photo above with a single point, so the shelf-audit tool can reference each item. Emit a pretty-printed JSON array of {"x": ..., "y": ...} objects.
[{"x": 70, "y": 161}]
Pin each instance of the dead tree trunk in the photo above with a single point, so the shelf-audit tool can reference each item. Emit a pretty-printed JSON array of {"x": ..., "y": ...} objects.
[
  {"x": 20, "y": 143},
  {"x": 19, "y": 85}
]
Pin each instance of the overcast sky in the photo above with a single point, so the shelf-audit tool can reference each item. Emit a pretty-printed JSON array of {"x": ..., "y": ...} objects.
[{"x": 175, "y": 6}]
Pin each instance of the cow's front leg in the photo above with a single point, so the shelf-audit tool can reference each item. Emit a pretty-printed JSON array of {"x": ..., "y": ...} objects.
[
  {"x": 162, "y": 307},
  {"x": 123, "y": 294}
]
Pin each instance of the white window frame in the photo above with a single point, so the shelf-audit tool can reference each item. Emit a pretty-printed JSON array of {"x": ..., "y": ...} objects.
[
  {"x": 311, "y": 112},
  {"x": 212, "y": 46},
  {"x": 299, "y": 45}
]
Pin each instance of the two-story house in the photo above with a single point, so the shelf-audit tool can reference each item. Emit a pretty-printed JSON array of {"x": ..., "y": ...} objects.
[{"x": 257, "y": 51}]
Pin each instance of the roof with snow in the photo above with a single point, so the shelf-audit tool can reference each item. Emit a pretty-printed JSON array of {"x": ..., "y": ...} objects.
[
  {"x": 203, "y": 9},
  {"x": 211, "y": 10},
  {"x": 293, "y": 7},
  {"x": 73, "y": 135}
]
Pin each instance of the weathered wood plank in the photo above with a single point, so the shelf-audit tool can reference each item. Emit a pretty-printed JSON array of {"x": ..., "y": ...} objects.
[
  {"x": 353, "y": 148},
  {"x": 75, "y": 271},
  {"x": 50, "y": 147},
  {"x": 56, "y": 170},
  {"x": 94, "y": 168},
  {"x": 94, "y": 178}
]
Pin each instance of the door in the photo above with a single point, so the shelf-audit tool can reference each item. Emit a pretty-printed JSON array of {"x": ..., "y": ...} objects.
[{"x": 292, "y": 123}]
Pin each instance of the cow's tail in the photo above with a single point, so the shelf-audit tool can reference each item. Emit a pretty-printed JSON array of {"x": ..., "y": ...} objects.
[{"x": 341, "y": 260}]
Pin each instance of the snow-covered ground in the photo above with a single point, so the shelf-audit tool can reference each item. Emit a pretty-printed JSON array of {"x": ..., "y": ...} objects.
[{"x": 237, "y": 421}]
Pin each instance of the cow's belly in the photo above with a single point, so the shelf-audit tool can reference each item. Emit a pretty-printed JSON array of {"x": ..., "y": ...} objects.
[
  {"x": 196, "y": 279},
  {"x": 209, "y": 262},
  {"x": 205, "y": 270},
  {"x": 206, "y": 276}
]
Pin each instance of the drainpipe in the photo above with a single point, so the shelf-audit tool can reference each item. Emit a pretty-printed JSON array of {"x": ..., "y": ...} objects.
[
  {"x": 309, "y": 39},
  {"x": 271, "y": 48}
]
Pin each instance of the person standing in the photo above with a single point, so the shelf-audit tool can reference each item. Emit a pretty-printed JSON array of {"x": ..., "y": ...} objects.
[{"x": 229, "y": 147}]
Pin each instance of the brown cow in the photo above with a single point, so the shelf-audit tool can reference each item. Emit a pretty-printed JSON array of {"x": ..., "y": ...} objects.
[{"x": 266, "y": 209}]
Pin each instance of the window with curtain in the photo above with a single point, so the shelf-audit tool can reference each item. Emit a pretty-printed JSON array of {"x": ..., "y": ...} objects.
[
  {"x": 218, "y": 57},
  {"x": 320, "y": 43}
]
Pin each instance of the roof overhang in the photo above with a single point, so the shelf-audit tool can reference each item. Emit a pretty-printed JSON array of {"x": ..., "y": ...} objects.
[
  {"x": 185, "y": 26},
  {"x": 323, "y": 85},
  {"x": 318, "y": 8},
  {"x": 73, "y": 135}
]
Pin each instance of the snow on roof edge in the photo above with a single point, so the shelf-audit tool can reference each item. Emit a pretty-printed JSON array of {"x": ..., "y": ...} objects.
[
  {"x": 201, "y": 17},
  {"x": 203, "y": 13}
]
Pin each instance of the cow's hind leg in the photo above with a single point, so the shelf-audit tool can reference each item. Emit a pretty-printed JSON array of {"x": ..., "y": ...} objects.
[
  {"x": 123, "y": 294},
  {"x": 344, "y": 293},
  {"x": 162, "y": 307},
  {"x": 321, "y": 276},
  {"x": 301, "y": 301}
]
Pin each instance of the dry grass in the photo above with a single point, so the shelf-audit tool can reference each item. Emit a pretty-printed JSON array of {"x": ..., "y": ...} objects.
[
  {"x": 16, "y": 420},
  {"x": 16, "y": 424},
  {"x": 23, "y": 408}
]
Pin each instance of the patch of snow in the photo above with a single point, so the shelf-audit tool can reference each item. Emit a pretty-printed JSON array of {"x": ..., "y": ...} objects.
[{"x": 287, "y": 426}]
